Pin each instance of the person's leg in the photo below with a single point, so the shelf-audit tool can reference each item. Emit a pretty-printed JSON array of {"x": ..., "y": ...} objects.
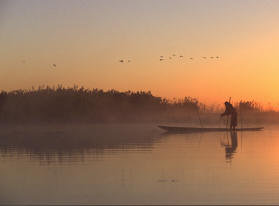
[
  {"x": 231, "y": 125},
  {"x": 234, "y": 120}
]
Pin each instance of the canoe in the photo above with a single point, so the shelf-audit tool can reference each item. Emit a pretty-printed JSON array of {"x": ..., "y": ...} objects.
[{"x": 205, "y": 129}]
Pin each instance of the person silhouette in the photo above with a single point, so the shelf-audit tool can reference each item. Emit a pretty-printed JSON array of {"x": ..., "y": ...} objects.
[{"x": 230, "y": 110}]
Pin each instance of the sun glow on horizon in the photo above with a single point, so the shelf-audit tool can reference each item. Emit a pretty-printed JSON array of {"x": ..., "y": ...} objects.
[{"x": 87, "y": 39}]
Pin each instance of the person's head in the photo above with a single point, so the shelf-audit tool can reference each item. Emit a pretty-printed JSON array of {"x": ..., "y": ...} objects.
[{"x": 227, "y": 103}]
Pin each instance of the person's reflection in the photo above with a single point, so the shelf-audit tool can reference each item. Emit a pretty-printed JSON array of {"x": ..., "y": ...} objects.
[{"x": 230, "y": 148}]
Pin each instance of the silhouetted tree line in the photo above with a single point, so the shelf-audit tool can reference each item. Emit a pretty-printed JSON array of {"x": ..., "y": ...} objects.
[
  {"x": 77, "y": 104},
  {"x": 60, "y": 104},
  {"x": 249, "y": 106}
]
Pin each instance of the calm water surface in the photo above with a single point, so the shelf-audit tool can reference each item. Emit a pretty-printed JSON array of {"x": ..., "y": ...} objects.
[{"x": 136, "y": 164}]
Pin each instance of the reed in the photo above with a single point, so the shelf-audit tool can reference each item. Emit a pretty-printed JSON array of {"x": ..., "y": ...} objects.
[{"x": 79, "y": 104}]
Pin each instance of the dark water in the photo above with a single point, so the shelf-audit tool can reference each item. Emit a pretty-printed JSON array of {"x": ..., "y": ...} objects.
[{"x": 136, "y": 164}]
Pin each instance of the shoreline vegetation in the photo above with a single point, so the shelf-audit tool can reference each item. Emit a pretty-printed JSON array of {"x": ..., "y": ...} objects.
[{"x": 79, "y": 105}]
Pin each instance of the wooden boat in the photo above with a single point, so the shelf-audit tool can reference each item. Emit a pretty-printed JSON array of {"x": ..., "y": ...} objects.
[{"x": 205, "y": 129}]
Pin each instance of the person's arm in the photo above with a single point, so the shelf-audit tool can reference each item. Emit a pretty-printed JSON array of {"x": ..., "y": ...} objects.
[{"x": 227, "y": 112}]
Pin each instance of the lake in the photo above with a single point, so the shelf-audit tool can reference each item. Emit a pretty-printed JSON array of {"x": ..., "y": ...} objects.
[{"x": 136, "y": 164}]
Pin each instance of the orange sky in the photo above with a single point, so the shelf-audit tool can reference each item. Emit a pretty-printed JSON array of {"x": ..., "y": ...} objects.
[{"x": 86, "y": 40}]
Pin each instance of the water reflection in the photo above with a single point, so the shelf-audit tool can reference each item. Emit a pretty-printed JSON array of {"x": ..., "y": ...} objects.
[
  {"x": 136, "y": 165},
  {"x": 230, "y": 145},
  {"x": 71, "y": 144}
]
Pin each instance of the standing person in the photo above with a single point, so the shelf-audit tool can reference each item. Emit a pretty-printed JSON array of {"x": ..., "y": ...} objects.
[{"x": 230, "y": 110}]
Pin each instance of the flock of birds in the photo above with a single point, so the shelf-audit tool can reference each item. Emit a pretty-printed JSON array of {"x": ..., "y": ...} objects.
[{"x": 164, "y": 58}]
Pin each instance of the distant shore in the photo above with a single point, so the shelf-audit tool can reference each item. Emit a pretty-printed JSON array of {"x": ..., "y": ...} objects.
[{"x": 79, "y": 105}]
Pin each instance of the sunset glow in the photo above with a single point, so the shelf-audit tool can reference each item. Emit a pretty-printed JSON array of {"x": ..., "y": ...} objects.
[
  {"x": 139, "y": 102},
  {"x": 86, "y": 40}
]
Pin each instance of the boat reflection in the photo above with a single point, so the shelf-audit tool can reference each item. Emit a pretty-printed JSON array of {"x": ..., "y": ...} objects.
[{"x": 229, "y": 140}]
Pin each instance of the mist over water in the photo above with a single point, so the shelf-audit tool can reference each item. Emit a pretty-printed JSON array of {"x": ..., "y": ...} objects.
[
  {"x": 136, "y": 164},
  {"x": 87, "y": 87}
]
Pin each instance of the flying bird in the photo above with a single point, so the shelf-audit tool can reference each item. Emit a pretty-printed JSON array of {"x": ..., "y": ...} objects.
[
  {"x": 161, "y": 56},
  {"x": 173, "y": 55},
  {"x": 180, "y": 56},
  {"x": 52, "y": 66},
  {"x": 204, "y": 57},
  {"x": 212, "y": 57},
  {"x": 161, "y": 59},
  {"x": 191, "y": 58},
  {"x": 129, "y": 61},
  {"x": 121, "y": 61},
  {"x": 217, "y": 57}
]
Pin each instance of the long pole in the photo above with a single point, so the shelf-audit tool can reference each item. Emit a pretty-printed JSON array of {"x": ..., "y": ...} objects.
[
  {"x": 199, "y": 116},
  {"x": 200, "y": 119},
  {"x": 228, "y": 116},
  {"x": 240, "y": 111}
]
